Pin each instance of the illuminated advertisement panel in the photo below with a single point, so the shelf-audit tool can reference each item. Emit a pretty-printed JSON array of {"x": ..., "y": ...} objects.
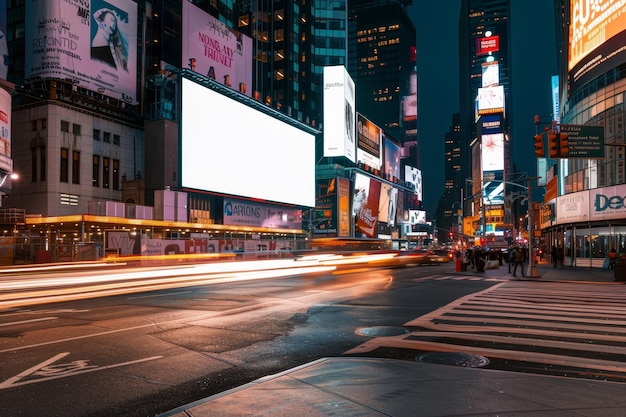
[
  {"x": 392, "y": 159},
  {"x": 365, "y": 204},
  {"x": 324, "y": 217},
  {"x": 490, "y": 124},
  {"x": 6, "y": 163},
  {"x": 218, "y": 52},
  {"x": 343, "y": 211},
  {"x": 490, "y": 74},
  {"x": 596, "y": 40},
  {"x": 409, "y": 103},
  {"x": 413, "y": 177},
  {"x": 486, "y": 45},
  {"x": 368, "y": 142},
  {"x": 246, "y": 213},
  {"x": 493, "y": 187},
  {"x": 93, "y": 43},
  {"x": 491, "y": 100},
  {"x": 4, "y": 49},
  {"x": 339, "y": 113},
  {"x": 223, "y": 155},
  {"x": 388, "y": 204},
  {"x": 492, "y": 152}
]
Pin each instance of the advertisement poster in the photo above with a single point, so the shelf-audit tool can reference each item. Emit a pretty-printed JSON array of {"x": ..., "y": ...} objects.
[
  {"x": 217, "y": 51},
  {"x": 368, "y": 142},
  {"x": 343, "y": 211},
  {"x": 6, "y": 163},
  {"x": 324, "y": 219},
  {"x": 93, "y": 43},
  {"x": 244, "y": 213},
  {"x": 366, "y": 201}
]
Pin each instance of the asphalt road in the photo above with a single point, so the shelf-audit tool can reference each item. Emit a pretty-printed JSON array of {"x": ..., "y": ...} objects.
[{"x": 144, "y": 353}]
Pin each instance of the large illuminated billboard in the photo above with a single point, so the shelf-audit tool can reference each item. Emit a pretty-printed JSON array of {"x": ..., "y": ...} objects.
[
  {"x": 365, "y": 204},
  {"x": 491, "y": 100},
  {"x": 492, "y": 152},
  {"x": 490, "y": 74},
  {"x": 487, "y": 45},
  {"x": 339, "y": 113},
  {"x": 388, "y": 204},
  {"x": 368, "y": 142},
  {"x": 392, "y": 159},
  {"x": 596, "y": 38},
  {"x": 217, "y": 51},
  {"x": 230, "y": 148},
  {"x": 6, "y": 163},
  {"x": 93, "y": 43},
  {"x": 413, "y": 178}
]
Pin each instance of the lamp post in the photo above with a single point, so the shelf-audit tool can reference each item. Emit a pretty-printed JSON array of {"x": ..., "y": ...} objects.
[{"x": 532, "y": 268}]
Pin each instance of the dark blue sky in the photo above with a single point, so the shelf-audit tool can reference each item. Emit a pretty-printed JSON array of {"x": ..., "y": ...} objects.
[{"x": 533, "y": 63}]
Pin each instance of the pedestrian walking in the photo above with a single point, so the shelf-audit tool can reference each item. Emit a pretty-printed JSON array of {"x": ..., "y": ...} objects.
[
  {"x": 511, "y": 258},
  {"x": 519, "y": 261},
  {"x": 554, "y": 256}
]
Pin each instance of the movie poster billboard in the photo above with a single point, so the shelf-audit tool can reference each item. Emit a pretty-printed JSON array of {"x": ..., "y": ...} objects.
[
  {"x": 6, "y": 162},
  {"x": 365, "y": 205},
  {"x": 217, "y": 51},
  {"x": 368, "y": 142},
  {"x": 92, "y": 43}
]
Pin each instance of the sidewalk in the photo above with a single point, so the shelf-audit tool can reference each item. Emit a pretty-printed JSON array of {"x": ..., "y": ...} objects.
[
  {"x": 546, "y": 272},
  {"x": 350, "y": 386}
]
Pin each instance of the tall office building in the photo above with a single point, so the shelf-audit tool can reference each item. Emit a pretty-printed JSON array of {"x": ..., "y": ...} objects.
[{"x": 485, "y": 109}]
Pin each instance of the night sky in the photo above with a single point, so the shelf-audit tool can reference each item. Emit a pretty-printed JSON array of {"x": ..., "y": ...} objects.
[{"x": 533, "y": 63}]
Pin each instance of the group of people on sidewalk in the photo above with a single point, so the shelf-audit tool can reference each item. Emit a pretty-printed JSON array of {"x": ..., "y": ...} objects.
[{"x": 480, "y": 259}]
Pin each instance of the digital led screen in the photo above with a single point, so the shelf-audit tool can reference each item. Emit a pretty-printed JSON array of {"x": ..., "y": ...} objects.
[
  {"x": 492, "y": 150},
  {"x": 93, "y": 43},
  {"x": 413, "y": 177},
  {"x": 596, "y": 38},
  {"x": 217, "y": 51},
  {"x": 368, "y": 142},
  {"x": 490, "y": 74},
  {"x": 230, "y": 148},
  {"x": 365, "y": 204},
  {"x": 339, "y": 113},
  {"x": 392, "y": 159},
  {"x": 487, "y": 45},
  {"x": 6, "y": 163},
  {"x": 491, "y": 100}
]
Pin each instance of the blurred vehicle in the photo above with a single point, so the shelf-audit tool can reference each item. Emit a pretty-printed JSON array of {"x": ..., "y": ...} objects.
[{"x": 441, "y": 255}]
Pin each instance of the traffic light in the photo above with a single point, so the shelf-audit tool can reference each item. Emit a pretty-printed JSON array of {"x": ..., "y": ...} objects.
[
  {"x": 563, "y": 145},
  {"x": 553, "y": 147},
  {"x": 540, "y": 152}
]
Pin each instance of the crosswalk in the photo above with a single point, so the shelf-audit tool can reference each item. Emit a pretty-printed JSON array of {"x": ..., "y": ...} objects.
[
  {"x": 551, "y": 328},
  {"x": 461, "y": 278}
]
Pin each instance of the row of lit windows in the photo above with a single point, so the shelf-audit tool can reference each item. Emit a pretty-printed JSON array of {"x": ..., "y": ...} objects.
[{"x": 110, "y": 172}]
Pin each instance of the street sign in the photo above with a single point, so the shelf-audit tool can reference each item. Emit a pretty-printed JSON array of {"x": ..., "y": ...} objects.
[{"x": 584, "y": 141}]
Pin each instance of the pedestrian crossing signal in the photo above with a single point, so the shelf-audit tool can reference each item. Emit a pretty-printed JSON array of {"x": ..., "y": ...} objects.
[{"x": 540, "y": 151}]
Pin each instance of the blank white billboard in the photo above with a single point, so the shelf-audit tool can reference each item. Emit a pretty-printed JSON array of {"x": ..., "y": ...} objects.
[
  {"x": 230, "y": 148},
  {"x": 339, "y": 113}
]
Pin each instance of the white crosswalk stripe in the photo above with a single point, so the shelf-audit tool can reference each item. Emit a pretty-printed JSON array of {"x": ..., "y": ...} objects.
[{"x": 578, "y": 329}]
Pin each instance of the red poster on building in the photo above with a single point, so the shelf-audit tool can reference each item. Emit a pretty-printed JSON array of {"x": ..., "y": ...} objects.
[{"x": 367, "y": 217}]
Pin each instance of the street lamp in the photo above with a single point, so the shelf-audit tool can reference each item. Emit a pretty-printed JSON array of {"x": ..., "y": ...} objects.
[{"x": 532, "y": 268}]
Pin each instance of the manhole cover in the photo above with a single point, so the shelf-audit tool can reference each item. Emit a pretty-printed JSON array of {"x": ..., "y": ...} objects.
[
  {"x": 381, "y": 331},
  {"x": 454, "y": 358}
]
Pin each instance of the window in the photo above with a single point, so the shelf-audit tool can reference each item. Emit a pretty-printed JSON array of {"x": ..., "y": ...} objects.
[
  {"x": 96, "y": 134},
  {"x": 95, "y": 172},
  {"x": 76, "y": 129},
  {"x": 44, "y": 123},
  {"x": 116, "y": 139},
  {"x": 75, "y": 167},
  {"x": 65, "y": 126},
  {"x": 64, "y": 165},
  {"x": 33, "y": 164},
  {"x": 106, "y": 137},
  {"x": 116, "y": 174},
  {"x": 105, "y": 172},
  {"x": 33, "y": 125},
  {"x": 42, "y": 162}
]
